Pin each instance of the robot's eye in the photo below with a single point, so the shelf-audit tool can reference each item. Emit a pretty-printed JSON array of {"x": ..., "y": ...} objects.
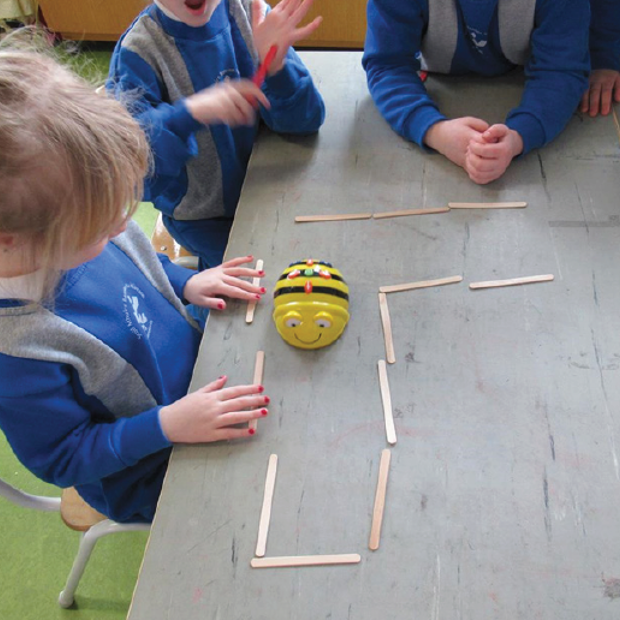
[
  {"x": 324, "y": 323},
  {"x": 293, "y": 322}
]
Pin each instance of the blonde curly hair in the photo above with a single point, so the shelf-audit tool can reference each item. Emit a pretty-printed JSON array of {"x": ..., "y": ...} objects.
[{"x": 72, "y": 161}]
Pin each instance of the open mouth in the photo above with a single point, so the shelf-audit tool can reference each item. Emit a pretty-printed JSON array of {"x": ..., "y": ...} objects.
[
  {"x": 195, "y": 7},
  {"x": 304, "y": 342}
]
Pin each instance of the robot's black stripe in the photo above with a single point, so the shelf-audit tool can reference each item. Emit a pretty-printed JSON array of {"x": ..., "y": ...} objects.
[
  {"x": 314, "y": 275},
  {"x": 325, "y": 290}
]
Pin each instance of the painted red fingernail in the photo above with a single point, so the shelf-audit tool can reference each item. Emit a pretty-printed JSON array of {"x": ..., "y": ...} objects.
[
  {"x": 222, "y": 377},
  {"x": 263, "y": 289},
  {"x": 220, "y": 306},
  {"x": 261, "y": 273},
  {"x": 257, "y": 296},
  {"x": 263, "y": 411},
  {"x": 267, "y": 400},
  {"x": 251, "y": 431},
  {"x": 261, "y": 388}
]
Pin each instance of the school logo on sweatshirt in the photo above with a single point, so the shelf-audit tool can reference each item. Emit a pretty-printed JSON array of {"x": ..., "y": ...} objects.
[
  {"x": 134, "y": 308},
  {"x": 478, "y": 39}
]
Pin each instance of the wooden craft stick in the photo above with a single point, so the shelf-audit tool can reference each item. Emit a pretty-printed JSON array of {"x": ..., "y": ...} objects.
[
  {"x": 487, "y": 205},
  {"x": 381, "y": 216},
  {"x": 377, "y": 513},
  {"x": 514, "y": 281},
  {"x": 396, "y": 288},
  {"x": 616, "y": 121},
  {"x": 249, "y": 315},
  {"x": 265, "y": 513},
  {"x": 390, "y": 430},
  {"x": 333, "y": 218},
  {"x": 387, "y": 329},
  {"x": 259, "y": 365},
  {"x": 305, "y": 560}
]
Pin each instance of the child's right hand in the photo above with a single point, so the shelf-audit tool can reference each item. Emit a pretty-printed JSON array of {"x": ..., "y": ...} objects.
[
  {"x": 451, "y": 138},
  {"x": 232, "y": 103},
  {"x": 210, "y": 413}
]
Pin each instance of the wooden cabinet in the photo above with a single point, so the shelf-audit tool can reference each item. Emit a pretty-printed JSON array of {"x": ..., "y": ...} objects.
[
  {"x": 344, "y": 21},
  {"x": 90, "y": 20}
]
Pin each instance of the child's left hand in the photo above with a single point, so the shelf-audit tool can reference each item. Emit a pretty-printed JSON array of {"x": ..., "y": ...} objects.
[
  {"x": 279, "y": 27},
  {"x": 489, "y": 155},
  {"x": 207, "y": 287}
]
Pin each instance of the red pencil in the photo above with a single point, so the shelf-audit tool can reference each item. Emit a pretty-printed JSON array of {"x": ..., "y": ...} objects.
[{"x": 261, "y": 72}]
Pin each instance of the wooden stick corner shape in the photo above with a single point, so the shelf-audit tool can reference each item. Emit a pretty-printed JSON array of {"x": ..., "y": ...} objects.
[
  {"x": 249, "y": 314},
  {"x": 386, "y": 323},
  {"x": 265, "y": 513},
  {"x": 410, "y": 286},
  {"x": 406, "y": 212},
  {"x": 512, "y": 282},
  {"x": 386, "y": 398},
  {"x": 332, "y": 217},
  {"x": 305, "y": 560},
  {"x": 377, "y": 513},
  {"x": 259, "y": 366},
  {"x": 487, "y": 205}
]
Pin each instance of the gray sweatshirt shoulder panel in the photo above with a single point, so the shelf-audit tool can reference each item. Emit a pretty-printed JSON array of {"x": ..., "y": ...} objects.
[
  {"x": 33, "y": 332},
  {"x": 205, "y": 194},
  {"x": 515, "y": 21}
]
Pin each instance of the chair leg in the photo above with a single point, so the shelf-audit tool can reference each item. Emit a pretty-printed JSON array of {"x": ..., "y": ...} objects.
[{"x": 87, "y": 544}]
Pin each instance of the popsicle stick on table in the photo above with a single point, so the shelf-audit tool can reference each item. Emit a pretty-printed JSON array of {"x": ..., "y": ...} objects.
[
  {"x": 405, "y": 212},
  {"x": 487, "y": 205},
  {"x": 333, "y": 218},
  {"x": 512, "y": 282},
  {"x": 249, "y": 315},
  {"x": 387, "y": 329},
  {"x": 377, "y": 513},
  {"x": 410, "y": 286},
  {"x": 305, "y": 560},
  {"x": 259, "y": 365},
  {"x": 265, "y": 514},
  {"x": 386, "y": 398}
]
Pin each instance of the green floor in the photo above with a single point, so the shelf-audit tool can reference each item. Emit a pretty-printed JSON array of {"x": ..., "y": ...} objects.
[{"x": 37, "y": 549}]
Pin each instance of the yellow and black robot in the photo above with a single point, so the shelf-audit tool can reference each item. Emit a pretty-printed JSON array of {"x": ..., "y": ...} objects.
[{"x": 311, "y": 302}]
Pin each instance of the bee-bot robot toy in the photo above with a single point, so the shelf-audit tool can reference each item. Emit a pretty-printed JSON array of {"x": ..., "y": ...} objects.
[{"x": 311, "y": 302}]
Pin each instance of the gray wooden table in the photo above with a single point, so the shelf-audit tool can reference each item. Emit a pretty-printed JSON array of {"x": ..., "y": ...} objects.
[{"x": 504, "y": 492}]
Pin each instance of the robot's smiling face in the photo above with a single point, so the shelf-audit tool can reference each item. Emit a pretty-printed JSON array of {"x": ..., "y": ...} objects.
[
  {"x": 310, "y": 325},
  {"x": 311, "y": 304}
]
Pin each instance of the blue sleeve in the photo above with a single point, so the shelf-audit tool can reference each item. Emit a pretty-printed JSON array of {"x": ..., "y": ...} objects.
[
  {"x": 170, "y": 128},
  {"x": 296, "y": 105},
  {"x": 393, "y": 41},
  {"x": 177, "y": 275},
  {"x": 605, "y": 34},
  {"x": 556, "y": 72},
  {"x": 58, "y": 439}
]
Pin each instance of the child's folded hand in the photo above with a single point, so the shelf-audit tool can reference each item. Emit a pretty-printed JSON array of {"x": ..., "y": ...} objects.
[
  {"x": 233, "y": 103},
  {"x": 207, "y": 288},
  {"x": 279, "y": 27},
  {"x": 210, "y": 413},
  {"x": 603, "y": 89},
  {"x": 489, "y": 154}
]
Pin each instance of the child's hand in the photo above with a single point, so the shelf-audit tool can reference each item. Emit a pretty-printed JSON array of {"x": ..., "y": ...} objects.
[
  {"x": 206, "y": 288},
  {"x": 489, "y": 155},
  {"x": 279, "y": 28},
  {"x": 209, "y": 413},
  {"x": 232, "y": 103},
  {"x": 604, "y": 86},
  {"x": 451, "y": 138}
]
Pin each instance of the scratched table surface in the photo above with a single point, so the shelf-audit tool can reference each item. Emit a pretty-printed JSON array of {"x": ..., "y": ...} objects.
[{"x": 503, "y": 500}]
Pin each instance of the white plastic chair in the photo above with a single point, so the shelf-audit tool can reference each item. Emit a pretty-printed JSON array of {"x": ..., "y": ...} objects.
[{"x": 77, "y": 515}]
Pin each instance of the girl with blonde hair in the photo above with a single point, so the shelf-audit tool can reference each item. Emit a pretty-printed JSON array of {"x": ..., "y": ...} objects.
[{"x": 90, "y": 394}]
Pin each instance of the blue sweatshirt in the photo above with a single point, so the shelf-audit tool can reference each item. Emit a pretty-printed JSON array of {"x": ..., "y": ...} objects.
[
  {"x": 81, "y": 387},
  {"x": 605, "y": 34},
  {"x": 199, "y": 170},
  {"x": 554, "y": 51}
]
